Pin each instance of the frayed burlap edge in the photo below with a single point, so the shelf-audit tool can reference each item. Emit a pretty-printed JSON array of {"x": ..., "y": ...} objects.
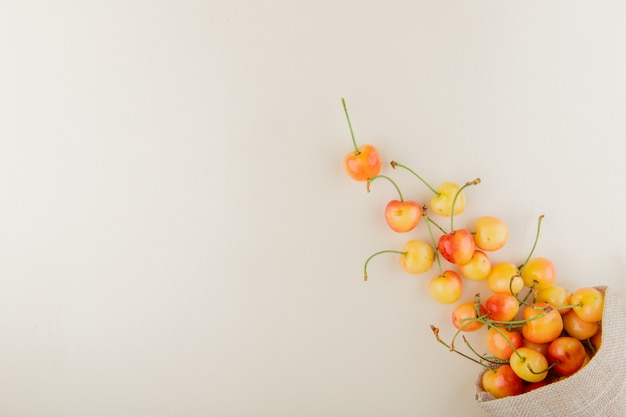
[{"x": 598, "y": 389}]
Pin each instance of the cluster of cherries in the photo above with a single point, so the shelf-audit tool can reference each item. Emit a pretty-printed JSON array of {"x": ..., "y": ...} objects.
[{"x": 537, "y": 332}]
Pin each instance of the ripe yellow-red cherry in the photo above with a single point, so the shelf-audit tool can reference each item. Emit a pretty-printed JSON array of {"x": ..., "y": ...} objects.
[
  {"x": 579, "y": 328},
  {"x": 538, "y": 273},
  {"x": 478, "y": 267},
  {"x": 464, "y": 316},
  {"x": 529, "y": 364},
  {"x": 502, "y": 307},
  {"x": 491, "y": 233},
  {"x": 588, "y": 303},
  {"x": 419, "y": 257},
  {"x": 364, "y": 162},
  {"x": 504, "y": 278},
  {"x": 543, "y": 323},
  {"x": 539, "y": 347},
  {"x": 416, "y": 257},
  {"x": 401, "y": 216},
  {"x": 441, "y": 203},
  {"x": 457, "y": 247},
  {"x": 501, "y": 342},
  {"x": 447, "y": 287},
  {"x": 555, "y": 295},
  {"x": 567, "y": 354},
  {"x": 502, "y": 382}
]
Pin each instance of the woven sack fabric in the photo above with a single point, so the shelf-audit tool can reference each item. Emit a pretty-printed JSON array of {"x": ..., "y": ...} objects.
[{"x": 597, "y": 390}]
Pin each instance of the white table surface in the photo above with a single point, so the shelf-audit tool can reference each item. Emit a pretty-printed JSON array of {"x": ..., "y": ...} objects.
[{"x": 178, "y": 236}]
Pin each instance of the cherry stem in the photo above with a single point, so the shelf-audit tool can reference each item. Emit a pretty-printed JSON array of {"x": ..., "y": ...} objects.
[
  {"x": 432, "y": 238},
  {"x": 376, "y": 254},
  {"x": 452, "y": 349},
  {"x": 534, "y": 244},
  {"x": 430, "y": 220},
  {"x": 516, "y": 323},
  {"x": 468, "y": 322},
  {"x": 369, "y": 181},
  {"x": 482, "y": 319},
  {"x": 491, "y": 324},
  {"x": 345, "y": 109},
  {"x": 491, "y": 359},
  {"x": 590, "y": 345},
  {"x": 456, "y": 196},
  {"x": 530, "y": 291},
  {"x": 395, "y": 164},
  {"x": 552, "y": 365}
]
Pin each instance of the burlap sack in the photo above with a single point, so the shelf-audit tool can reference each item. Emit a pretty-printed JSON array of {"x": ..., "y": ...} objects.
[{"x": 598, "y": 389}]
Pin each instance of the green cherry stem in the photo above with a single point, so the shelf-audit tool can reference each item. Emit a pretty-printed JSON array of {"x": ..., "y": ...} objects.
[
  {"x": 491, "y": 359},
  {"x": 468, "y": 322},
  {"x": 534, "y": 244},
  {"x": 590, "y": 345},
  {"x": 431, "y": 221},
  {"x": 452, "y": 349},
  {"x": 369, "y": 181},
  {"x": 490, "y": 324},
  {"x": 376, "y": 254},
  {"x": 432, "y": 238},
  {"x": 395, "y": 164},
  {"x": 531, "y": 290},
  {"x": 456, "y": 196},
  {"x": 552, "y": 365},
  {"x": 345, "y": 109},
  {"x": 517, "y": 323}
]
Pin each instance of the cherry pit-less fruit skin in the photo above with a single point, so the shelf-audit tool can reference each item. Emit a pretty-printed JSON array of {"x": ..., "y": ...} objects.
[
  {"x": 364, "y": 164},
  {"x": 402, "y": 216}
]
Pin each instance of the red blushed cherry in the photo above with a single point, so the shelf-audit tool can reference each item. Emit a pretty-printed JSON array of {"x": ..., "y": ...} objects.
[
  {"x": 502, "y": 382},
  {"x": 403, "y": 216},
  {"x": 364, "y": 162},
  {"x": 502, "y": 307},
  {"x": 534, "y": 385},
  {"x": 567, "y": 354},
  {"x": 457, "y": 247},
  {"x": 465, "y": 316}
]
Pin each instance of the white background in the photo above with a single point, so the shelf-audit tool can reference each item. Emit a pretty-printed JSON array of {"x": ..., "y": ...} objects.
[{"x": 178, "y": 236}]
